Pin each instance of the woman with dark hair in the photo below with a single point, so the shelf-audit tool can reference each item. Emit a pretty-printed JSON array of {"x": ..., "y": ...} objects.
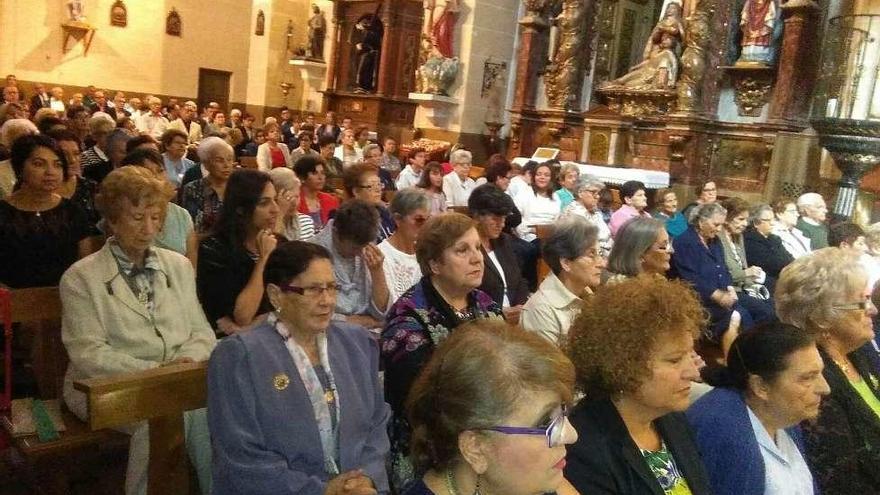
[
  {"x": 295, "y": 405},
  {"x": 747, "y": 428},
  {"x": 449, "y": 255},
  {"x": 632, "y": 349},
  {"x": 41, "y": 233},
  {"x": 313, "y": 202},
  {"x": 432, "y": 182},
  {"x": 362, "y": 181},
  {"x": 489, "y": 414},
  {"x": 502, "y": 278},
  {"x": 537, "y": 203},
  {"x": 642, "y": 246},
  {"x": 635, "y": 201},
  {"x": 498, "y": 171},
  {"x": 231, "y": 260},
  {"x": 706, "y": 193}
]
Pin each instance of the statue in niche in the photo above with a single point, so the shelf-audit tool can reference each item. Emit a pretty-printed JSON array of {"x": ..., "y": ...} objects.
[
  {"x": 660, "y": 65},
  {"x": 564, "y": 75},
  {"x": 758, "y": 22},
  {"x": 173, "y": 24},
  {"x": 367, "y": 40},
  {"x": 119, "y": 14},
  {"x": 693, "y": 62},
  {"x": 317, "y": 31},
  {"x": 438, "y": 67},
  {"x": 261, "y": 23},
  {"x": 76, "y": 11}
]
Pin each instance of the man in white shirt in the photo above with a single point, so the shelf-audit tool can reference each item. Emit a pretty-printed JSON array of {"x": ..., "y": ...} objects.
[
  {"x": 457, "y": 186},
  {"x": 412, "y": 173},
  {"x": 153, "y": 122}
]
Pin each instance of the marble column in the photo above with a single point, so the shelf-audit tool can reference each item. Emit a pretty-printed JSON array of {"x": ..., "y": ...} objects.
[
  {"x": 798, "y": 60},
  {"x": 532, "y": 52}
]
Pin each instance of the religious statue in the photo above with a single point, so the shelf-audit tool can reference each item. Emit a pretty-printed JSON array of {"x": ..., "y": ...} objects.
[
  {"x": 76, "y": 10},
  {"x": 173, "y": 24},
  {"x": 317, "y": 30},
  {"x": 564, "y": 75},
  {"x": 438, "y": 67},
  {"x": 367, "y": 40},
  {"x": 261, "y": 23},
  {"x": 660, "y": 65},
  {"x": 693, "y": 62},
  {"x": 757, "y": 22}
]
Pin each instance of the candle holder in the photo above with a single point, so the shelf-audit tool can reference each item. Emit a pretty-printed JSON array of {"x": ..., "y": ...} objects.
[{"x": 846, "y": 110}]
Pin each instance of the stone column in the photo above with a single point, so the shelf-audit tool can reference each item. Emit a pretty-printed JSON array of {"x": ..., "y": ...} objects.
[
  {"x": 390, "y": 32},
  {"x": 334, "y": 37},
  {"x": 532, "y": 52},
  {"x": 798, "y": 59}
]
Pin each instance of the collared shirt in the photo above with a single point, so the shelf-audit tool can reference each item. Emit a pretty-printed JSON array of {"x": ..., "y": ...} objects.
[
  {"x": 175, "y": 169},
  {"x": 407, "y": 178},
  {"x": 597, "y": 219},
  {"x": 140, "y": 280},
  {"x": 355, "y": 286},
  {"x": 457, "y": 191},
  {"x": 152, "y": 124},
  {"x": 202, "y": 202},
  {"x": 551, "y": 310},
  {"x": 793, "y": 240},
  {"x": 785, "y": 471}
]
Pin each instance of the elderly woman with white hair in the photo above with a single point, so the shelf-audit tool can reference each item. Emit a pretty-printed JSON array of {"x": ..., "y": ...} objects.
[
  {"x": 95, "y": 160},
  {"x": 9, "y": 132},
  {"x": 203, "y": 198},
  {"x": 292, "y": 224},
  {"x": 576, "y": 263},
  {"x": 826, "y": 295},
  {"x": 586, "y": 204},
  {"x": 457, "y": 186},
  {"x": 699, "y": 259}
]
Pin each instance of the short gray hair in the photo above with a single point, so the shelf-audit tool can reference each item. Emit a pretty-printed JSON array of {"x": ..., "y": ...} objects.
[
  {"x": 757, "y": 210},
  {"x": 633, "y": 239},
  {"x": 461, "y": 155},
  {"x": 13, "y": 129},
  {"x": 409, "y": 200},
  {"x": 212, "y": 146},
  {"x": 568, "y": 167},
  {"x": 370, "y": 147},
  {"x": 571, "y": 236},
  {"x": 706, "y": 211},
  {"x": 586, "y": 181},
  {"x": 284, "y": 179},
  {"x": 101, "y": 123},
  {"x": 809, "y": 199}
]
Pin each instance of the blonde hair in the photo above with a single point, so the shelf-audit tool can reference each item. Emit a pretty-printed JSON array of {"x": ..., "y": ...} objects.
[
  {"x": 810, "y": 287},
  {"x": 136, "y": 184}
]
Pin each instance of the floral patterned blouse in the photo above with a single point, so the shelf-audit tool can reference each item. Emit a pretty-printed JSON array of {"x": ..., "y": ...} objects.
[{"x": 418, "y": 321}]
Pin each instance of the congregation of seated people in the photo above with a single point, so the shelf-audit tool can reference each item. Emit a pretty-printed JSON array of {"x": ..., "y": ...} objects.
[{"x": 375, "y": 325}]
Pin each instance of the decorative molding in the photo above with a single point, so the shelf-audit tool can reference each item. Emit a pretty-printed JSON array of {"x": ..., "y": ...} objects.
[
  {"x": 639, "y": 103},
  {"x": 752, "y": 87}
]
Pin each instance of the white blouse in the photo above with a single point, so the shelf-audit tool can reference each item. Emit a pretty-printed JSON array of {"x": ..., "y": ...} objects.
[
  {"x": 536, "y": 209},
  {"x": 402, "y": 270}
]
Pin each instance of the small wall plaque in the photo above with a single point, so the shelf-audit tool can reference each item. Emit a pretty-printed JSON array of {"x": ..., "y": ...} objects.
[
  {"x": 173, "y": 25},
  {"x": 118, "y": 14}
]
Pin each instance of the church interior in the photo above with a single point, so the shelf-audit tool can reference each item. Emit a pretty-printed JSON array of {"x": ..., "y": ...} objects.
[{"x": 762, "y": 99}]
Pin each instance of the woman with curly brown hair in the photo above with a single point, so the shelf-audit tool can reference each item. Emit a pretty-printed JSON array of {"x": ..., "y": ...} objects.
[
  {"x": 489, "y": 414},
  {"x": 632, "y": 347}
]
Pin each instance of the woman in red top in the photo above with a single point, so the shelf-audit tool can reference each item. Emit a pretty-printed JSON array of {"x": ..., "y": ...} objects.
[
  {"x": 273, "y": 154},
  {"x": 312, "y": 202}
]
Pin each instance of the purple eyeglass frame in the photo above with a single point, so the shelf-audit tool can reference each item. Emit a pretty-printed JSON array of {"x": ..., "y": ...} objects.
[{"x": 558, "y": 421}]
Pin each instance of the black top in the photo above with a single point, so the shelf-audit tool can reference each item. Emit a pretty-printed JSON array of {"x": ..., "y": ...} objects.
[
  {"x": 605, "y": 460},
  {"x": 222, "y": 272},
  {"x": 843, "y": 444},
  {"x": 766, "y": 252},
  {"x": 84, "y": 197},
  {"x": 36, "y": 248},
  {"x": 517, "y": 286}
]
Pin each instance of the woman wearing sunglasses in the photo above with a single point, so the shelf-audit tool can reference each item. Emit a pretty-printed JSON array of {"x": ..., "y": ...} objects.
[
  {"x": 634, "y": 363},
  {"x": 488, "y": 414},
  {"x": 295, "y": 405}
]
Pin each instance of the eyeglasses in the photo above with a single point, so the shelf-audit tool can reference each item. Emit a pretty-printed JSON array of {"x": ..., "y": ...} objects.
[
  {"x": 313, "y": 291},
  {"x": 376, "y": 186},
  {"x": 861, "y": 306},
  {"x": 554, "y": 431},
  {"x": 594, "y": 192}
]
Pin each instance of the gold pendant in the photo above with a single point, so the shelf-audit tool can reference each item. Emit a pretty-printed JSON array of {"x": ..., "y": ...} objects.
[
  {"x": 143, "y": 298},
  {"x": 329, "y": 397},
  {"x": 281, "y": 381}
]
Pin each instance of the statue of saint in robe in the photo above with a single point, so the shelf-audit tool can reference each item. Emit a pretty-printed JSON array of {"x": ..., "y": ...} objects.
[
  {"x": 367, "y": 40},
  {"x": 317, "y": 30},
  {"x": 757, "y": 22}
]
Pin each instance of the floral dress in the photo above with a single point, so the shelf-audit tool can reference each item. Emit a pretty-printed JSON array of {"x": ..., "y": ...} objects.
[
  {"x": 418, "y": 321},
  {"x": 663, "y": 467}
]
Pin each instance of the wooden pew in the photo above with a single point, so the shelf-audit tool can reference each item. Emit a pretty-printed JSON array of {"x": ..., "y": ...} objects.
[
  {"x": 48, "y": 467},
  {"x": 160, "y": 396}
]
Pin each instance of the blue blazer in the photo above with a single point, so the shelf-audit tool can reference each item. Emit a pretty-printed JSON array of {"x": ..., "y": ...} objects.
[
  {"x": 727, "y": 443},
  {"x": 264, "y": 434}
]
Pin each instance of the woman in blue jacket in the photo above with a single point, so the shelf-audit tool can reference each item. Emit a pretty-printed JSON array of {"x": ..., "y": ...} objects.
[{"x": 746, "y": 429}]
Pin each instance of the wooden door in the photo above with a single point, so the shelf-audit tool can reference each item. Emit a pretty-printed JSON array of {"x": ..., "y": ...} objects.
[{"x": 214, "y": 86}]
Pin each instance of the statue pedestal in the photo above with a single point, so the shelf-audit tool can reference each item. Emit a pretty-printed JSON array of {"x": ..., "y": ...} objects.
[
  {"x": 78, "y": 31},
  {"x": 752, "y": 85},
  {"x": 435, "y": 108},
  {"x": 313, "y": 75}
]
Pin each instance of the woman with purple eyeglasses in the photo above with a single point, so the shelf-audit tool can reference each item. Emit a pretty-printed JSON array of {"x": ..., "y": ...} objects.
[{"x": 488, "y": 414}]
